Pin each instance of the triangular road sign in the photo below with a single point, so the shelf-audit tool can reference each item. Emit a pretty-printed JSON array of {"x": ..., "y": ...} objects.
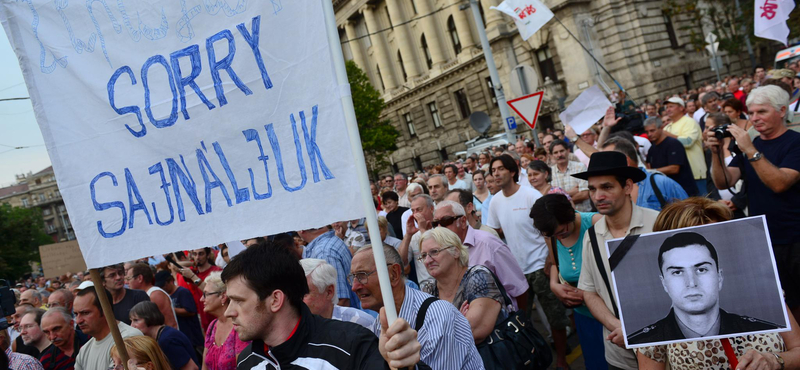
[{"x": 527, "y": 107}]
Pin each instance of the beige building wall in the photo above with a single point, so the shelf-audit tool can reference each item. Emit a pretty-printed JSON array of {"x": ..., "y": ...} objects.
[{"x": 648, "y": 53}]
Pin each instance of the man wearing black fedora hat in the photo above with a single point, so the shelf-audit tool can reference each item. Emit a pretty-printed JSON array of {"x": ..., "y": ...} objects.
[{"x": 611, "y": 183}]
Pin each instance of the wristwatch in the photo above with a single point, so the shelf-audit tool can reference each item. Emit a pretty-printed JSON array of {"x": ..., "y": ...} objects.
[
  {"x": 575, "y": 139},
  {"x": 780, "y": 360},
  {"x": 755, "y": 157},
  {"x": 197, "y": 281}
]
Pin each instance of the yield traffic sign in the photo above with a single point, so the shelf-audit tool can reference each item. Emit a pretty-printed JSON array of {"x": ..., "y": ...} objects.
[{"x": 527, "y": 107}]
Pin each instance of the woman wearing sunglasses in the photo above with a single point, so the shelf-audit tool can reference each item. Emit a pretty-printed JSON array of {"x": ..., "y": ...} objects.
[
  {"x": 222, "y": 342},
  {"x": 472, "y": 290},
  {"x": 144, "y": 353},
  {"x": 554, "y": 217}
]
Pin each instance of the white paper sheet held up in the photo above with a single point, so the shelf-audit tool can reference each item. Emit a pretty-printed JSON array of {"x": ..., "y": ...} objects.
[{"x": 586, "y": 110}]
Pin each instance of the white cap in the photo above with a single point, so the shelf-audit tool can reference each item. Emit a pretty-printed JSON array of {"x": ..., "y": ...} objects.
[
  {"x": 85, "y": 285},
  {"x": 677, "y": 100}
]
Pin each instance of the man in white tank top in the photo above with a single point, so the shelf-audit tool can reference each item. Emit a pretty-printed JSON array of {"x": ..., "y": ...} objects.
[{"x": 141, "y": 277}]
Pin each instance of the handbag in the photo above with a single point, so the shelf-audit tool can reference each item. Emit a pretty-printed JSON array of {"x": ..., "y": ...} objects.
[{"x": 514, "y": 343}]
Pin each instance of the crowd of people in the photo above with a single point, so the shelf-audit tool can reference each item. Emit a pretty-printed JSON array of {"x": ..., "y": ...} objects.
[{"x": 507, "y": 231}]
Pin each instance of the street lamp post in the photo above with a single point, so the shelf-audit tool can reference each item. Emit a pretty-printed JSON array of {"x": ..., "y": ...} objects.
[{"x": 487, "y": 53}]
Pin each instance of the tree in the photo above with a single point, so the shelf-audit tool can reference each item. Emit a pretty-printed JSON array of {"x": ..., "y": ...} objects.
[
  {"x": 378, "y": 137},
  {"x": 22, "y": 233}
]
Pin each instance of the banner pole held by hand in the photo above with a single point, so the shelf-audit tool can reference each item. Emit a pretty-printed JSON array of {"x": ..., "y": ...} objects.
[
  {"x": 358, "y": 156},
  {"x": 108, "y": 312}
]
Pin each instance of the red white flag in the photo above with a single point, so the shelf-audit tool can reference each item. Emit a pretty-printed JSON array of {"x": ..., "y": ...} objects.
[
  {"x": 770, "y": 19},
  {"x": 529, "y": 15}
]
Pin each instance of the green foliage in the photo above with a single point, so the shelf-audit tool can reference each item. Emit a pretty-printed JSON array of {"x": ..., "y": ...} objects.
[
  {"x": 21, "y": 234},
  {"x": 378, "y": 137}
]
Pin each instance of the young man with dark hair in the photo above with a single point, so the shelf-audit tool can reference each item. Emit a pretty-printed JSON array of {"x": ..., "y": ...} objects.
[
  {"x": 193, "y": 278},
  {"x": 562, "y": 175},
  {"x": 453, "y": 182},
  {"x": 95, "y": 354},
  {"x": 266, "y": 287},
  {"x": 185, "y": 308},
  {"x": 123, "y": 298},
  {"x": 611, "y": 183},
  {"x": 141, "y": 277},
  {"x": 509, "y": 215}
]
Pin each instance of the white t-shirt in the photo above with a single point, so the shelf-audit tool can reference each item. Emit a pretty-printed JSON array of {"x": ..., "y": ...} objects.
[
  {"x": 512, "y": 214},
  {"x": 96, "y": 355},
  {"x": 460, "y": 184},
  {"x": 171, "y": 305}
]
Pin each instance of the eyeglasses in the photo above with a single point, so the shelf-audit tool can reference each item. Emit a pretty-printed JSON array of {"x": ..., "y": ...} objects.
[
  {"x": 206, "y": 294},
  {"x": 54, "y": 304},
  {"x": 445, "y": 221},
  {"x": 433, "y": 253},
  {"x": 361, "y": 276}
]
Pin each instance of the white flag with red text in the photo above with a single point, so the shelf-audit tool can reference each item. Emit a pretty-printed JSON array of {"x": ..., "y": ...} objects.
[
  {"x": 529, "y": 15},
  {"x": 770, "y": 19}
]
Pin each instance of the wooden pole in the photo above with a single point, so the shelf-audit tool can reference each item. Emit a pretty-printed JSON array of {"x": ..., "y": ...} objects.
[{"x": 108, "y": 312}]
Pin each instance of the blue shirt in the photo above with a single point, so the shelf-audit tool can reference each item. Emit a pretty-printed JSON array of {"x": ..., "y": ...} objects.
[
  {"x": 445, "y": 336},
  {"x": 485, "y": 209},
  {"x": 189, "y": 325},
  {"x": 569, "y": 259},
  {"x": 176, "y": 347},
  {"x": 330, "y": 248},
  {"x": 670, "y": 190}
]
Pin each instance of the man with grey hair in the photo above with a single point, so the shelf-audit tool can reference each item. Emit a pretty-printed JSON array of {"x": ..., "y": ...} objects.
[
  {"x": 420, "y": 222},
  {"x": 701, "y": 111},
  {"x": 710, "y": 103},
  {"x": 484, "y": 249},
  {"x": 400, "y": 187},
  {"x": 445, "y": 335},
  {"x": 770, "y": 165},
  {"x": 59, "y": 327},
  {"x": 321, "y": 298},
  {"x": 31, "y": 297},
  {"x": 437, "y": 186},
  {"x": 60, "y": 298}
]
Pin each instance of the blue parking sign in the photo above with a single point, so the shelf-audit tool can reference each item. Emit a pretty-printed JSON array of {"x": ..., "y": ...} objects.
[{"x": 512, "y": 123}]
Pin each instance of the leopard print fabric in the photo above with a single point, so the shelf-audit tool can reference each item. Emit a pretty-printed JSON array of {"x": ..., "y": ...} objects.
[{"x": 709, "y": 354}]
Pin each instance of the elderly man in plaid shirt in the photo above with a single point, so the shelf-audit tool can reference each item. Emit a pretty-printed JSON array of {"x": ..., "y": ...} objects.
[
  {"x": 563, "y": 170},
  {"x": 325, "y": 245}
]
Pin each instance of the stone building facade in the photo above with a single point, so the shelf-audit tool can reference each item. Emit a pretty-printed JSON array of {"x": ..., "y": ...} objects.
[
  {"x": 425, "y": 58},
  {"x": 41, "y": 190}
]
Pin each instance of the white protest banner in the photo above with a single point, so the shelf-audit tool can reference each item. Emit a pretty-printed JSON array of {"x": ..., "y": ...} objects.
[
  {"x": 590, "y": 106},
  {"x": 176, "y": 125},
  {"x": 529, "y": 15},
  {"x": 770, "y": 19}
]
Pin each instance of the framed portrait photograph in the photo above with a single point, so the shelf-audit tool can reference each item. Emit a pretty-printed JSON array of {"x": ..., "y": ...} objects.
[{"x": 704, "y": 282}]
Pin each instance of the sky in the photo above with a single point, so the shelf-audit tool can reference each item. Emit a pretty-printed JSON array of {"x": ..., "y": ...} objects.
[{"x": 18, "y": 127}]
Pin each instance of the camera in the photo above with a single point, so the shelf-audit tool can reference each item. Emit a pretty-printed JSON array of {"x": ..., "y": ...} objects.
[{"x": 721, "y": 131}]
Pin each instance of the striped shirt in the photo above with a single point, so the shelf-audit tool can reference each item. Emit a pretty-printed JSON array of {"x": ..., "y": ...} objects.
[
  {"x": 18, "y": 361},
  {"x": 330, "y": 248},
  {"x": 350, "y": 314},
  {"x": 564, "y": 180},
  {"x": 445, "y": 336}
]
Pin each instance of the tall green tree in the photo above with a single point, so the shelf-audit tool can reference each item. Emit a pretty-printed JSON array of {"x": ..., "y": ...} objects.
[
  {"x": 21, "y": 234},
  {"x": 378, "y": 137}
]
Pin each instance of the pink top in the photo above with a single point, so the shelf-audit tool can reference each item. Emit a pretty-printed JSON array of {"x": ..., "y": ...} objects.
[{"x": 222, "y": 357}]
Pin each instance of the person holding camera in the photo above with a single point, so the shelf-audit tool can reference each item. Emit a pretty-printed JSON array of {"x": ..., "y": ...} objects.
[{"x": 771, "y": 165}]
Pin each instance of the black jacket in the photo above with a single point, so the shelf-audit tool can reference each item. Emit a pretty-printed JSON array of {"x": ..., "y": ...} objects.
[
  {"x": 667, "y": 328},
  {"x": 318, "y": 343}
]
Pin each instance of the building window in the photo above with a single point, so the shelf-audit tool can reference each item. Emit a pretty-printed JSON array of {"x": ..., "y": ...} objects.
[
  {"x": 463, "y": 103},
  {"x": 546, "y": 65},
  {"x": 437, "y": 121},
  {"x": 443, "y": 154},
  {"x": 673, "y": 38},
  {"x": 426, "y": 51},
  {"x": 402, "y": 66},
  {"x": 41, "y": 197},
  {"x": 25, "y": 202},
  {"x": 46, "y": 212},
  {"x": 491, "y": 90},
  {"x": 418, "y": 163},
  {"x": 410, "y": 124},
  {"x": 380, "y": 78},
  {"x": 388, "y": 17},
  {"x": 395, "y": 169},
  {"x": 451, "y": 29},
  {"x": 363, "y": 34}
]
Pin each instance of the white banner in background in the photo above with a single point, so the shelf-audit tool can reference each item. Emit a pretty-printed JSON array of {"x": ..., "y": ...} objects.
[
  {"x": 175, "y": 124},
  {"x": 529, "y": 15}
]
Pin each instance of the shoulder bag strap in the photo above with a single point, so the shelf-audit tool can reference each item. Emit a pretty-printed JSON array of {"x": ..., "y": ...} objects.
[
  {"x": 421, "y": 314},
  {"x": 656, "y": 190},
  {"x": 598, "y": 260},
  {"x": 554, "y": 246}
]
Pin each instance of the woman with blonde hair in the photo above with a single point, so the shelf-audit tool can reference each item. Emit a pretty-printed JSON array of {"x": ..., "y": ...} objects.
[
  {"x": 144, "y": 354},
  {"x": 754, "y": 351},
  {"x": 473, "y": 291},
  {"x": 222, "y": 342}
]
